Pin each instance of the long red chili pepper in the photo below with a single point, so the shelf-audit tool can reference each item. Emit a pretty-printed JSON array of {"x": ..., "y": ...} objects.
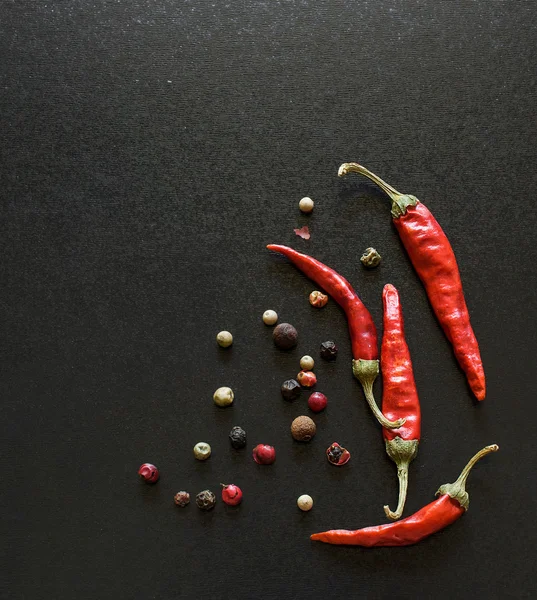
[
  {"x": 434, "y": 260},
  {"x": 363, "y": 333},
  {"x": 452, "y": 504},
  {"x": 399, "y": 397}
]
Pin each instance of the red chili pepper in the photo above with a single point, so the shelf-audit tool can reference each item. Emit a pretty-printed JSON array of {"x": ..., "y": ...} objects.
[
  {"x": 452, "y": 504},
  {"x": 363, "y": 333},
  {"x": 399, "y": 397},
  {"x": 434, "y": 260}
]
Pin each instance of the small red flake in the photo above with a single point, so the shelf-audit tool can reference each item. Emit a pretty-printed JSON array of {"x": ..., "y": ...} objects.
[{"x": 304, "y": 232}]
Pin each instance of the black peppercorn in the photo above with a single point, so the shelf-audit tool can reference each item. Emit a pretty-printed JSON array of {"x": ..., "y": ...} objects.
[
  {"x": 329, "y": 350},
  {"x": 285, "y": 336},
  {"x": 237, "y": 436},
  {"x": 290, "y": 390},
  {"x": 206, "y": 500}
]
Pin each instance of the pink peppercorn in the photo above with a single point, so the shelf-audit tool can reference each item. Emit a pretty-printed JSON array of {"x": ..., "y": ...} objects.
[
  {"x": 317, "y": 402},
  {"x": 306, "y": 378},
  {"x": 149, "y": 473},
  {"x": 231, "y": 494},
  {"x": 264, "y": 454}
]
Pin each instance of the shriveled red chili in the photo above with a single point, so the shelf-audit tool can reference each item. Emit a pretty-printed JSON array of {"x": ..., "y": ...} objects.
[
  {"x": 363, "y": 333},
  {"x": 434, "y": 260},
  {"x": 452, "y": 504},
  {"x": 399, "y": 396}
]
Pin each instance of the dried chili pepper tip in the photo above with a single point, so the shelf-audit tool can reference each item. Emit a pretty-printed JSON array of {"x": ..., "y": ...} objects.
[
  {"x": 223, "y": 396},
  {"x": 285, "y": 336},
  {"x": 264, "y": 454},
  {"x": 290, "y": 390},
  {"x": 270, "y": 317},
  {"x": 237, "y": 437},
  {"x": 202, "y": 451},
  {"x": 307, "y": 379},
  {"x": 181, "y": 499},
  {"x": 303, "y": 429},
  {"x": 370, "y": 258},
  {"x": 224, "y": 339},
  {"x": 317, "y": 402},
  {"x": 305, "y": 502},
  {"x": 206, "y": 500},
  {"x": 318, "y": 299},
  {"x": 329, "y": 351},
  {"x": 231, "y": 494},
  {"x": 307, "y": 363},
  {"x": 149, "y": 473},
  {"x": 306, "y": 205},
  {"x": 337, "y": 455}
]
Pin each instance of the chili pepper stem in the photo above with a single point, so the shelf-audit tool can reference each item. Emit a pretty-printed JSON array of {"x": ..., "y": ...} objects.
[
  {"x": 366, "y": 372},
  {"x": 402, "y": 452},
  {"x": 457, "y": 490},
  {"x": 400, "y": 202}
]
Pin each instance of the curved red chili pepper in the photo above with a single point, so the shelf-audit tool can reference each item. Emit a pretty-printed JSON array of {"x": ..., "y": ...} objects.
[
  {"x": 399, "y": 397},
  {"x": 434, "y": 261},
  {"x": 361, "y": 327},
  {"x": 452, "y": 504}
]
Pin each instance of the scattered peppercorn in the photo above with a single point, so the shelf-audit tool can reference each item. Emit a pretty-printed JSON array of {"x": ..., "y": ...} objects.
[
  {"x": 181, "y": 499},
  {"x": 329, "y": 351},
  {"x": 307, "y": 363},
  {"x": 307, "y": 379},
  {"x": 206, "y": 500},
  {"x": 264, "y": 454},
  {"x": 370, "y": 258},
  {"x": 318, "y": 299},
  {"x": 202, "y": 451},
  {"x": 149, "y": 473},
  {"x": 305, "y": 502},
  {"x": 290, "y": 390},
  {"x": 237, "y": 437},
  {"x": 224, "y": 339},
  {"x": 285, "y": 336},
  {"x": 337, "y": 455},
  {"x": 270, "y": 317},
  {"x": 231, "y": 494},
  {"x": 306, "y": 205},
  {"x": 317, "y": 402},
  {"x": 223, "y": 396},
  {"x": 303, "y": 429}
]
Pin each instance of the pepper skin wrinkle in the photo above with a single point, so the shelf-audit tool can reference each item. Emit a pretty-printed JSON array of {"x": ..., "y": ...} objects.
[
  {"x": 400, "y": 397},
  {"x": 452, "y": 503},
  {"x": 433, "y": 259},
  {"x": 362, "y": 329}
]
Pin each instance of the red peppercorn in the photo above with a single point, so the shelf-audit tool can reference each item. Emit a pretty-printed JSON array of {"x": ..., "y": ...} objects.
[
  {"x": 231, "y": 494},
  {"x": 264, "y": 454},
  {"x": 337, "y": 455},
  {"x": 317, "y": 402},
  {"x": 306, "y": 378},
  {"x": 149, "y": 473}
]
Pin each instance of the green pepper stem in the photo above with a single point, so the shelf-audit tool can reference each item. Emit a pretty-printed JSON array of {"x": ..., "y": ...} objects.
[
  {"x": 457, "y": 490},
  {"x": 402, "y": 475}
]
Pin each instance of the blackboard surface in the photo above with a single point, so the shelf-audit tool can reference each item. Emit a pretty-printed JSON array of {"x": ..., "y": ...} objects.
[{"x": 150, "y": 150}]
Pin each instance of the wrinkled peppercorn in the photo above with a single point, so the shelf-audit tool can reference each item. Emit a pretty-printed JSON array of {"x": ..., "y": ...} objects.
[
  {"x": 290, "y": 390},
  {"x": 206, "y": 500},
  {"x": 318, "y": 299},
  {"x": 237, "y": 436},
  {"x": 337, "y": 455},
  {"x": 370, "y": 258},
  {"x": 303, "y": 429},
  {"x": 329, "y": 350},
  {"x": 285, "y": 336},
  {"x": 181, "y": 499},
  {"x": 307, "y": 379}
]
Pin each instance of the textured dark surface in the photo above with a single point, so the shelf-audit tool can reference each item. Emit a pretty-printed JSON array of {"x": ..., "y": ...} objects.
[{"x": 150, "y": 150}]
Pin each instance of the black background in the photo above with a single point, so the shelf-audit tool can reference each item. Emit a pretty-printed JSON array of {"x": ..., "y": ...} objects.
[{"x": 150, "y": 150}]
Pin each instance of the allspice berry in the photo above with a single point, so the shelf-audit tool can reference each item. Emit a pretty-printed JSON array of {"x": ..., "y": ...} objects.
[
  {"x": 285, "y": 336},
  {"x": 303, "y": 429}
]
